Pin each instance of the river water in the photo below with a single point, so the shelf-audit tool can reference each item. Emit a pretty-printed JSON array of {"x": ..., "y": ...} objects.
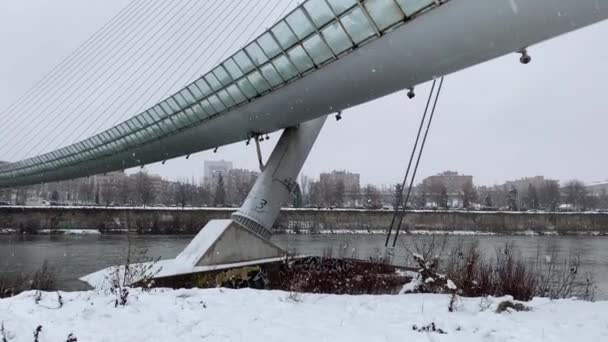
[{"x": 73, "y": 256}]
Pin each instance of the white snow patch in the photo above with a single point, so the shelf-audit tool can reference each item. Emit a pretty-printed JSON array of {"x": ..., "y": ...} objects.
[{"x": 269, "y": 316}]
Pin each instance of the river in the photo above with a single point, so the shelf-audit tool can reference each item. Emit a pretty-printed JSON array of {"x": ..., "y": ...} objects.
[{"x": 73, "y": 256}]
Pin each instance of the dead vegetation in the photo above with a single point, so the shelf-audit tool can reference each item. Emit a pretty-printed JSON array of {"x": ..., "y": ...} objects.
[
  {"x": 43, "y": 279},
  {"x": 507, "y": 273}
]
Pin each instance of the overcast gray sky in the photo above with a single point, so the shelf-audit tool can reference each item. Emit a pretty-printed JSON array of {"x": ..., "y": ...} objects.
[{"x": 497, "y": 121}]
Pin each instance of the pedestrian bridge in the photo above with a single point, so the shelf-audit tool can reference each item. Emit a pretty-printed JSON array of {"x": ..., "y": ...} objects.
[{"x": 323, "y": 57}]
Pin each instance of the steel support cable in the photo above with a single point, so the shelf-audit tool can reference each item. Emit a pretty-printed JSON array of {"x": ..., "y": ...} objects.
[
  {"x": 226, "y": 50},
  {"x": 263, "y": 21},
  {"x": 146, "y": 104},
  {"x": 48, "y": 77},
  {"x": 161, "y": 76},
  {"x": 426, "y": 133},
  {"x": 104, "y": 78},
  {"x": 170, "y": 90},
  {"x": 75, "y": 85},
  {"x": 63, "y": 79},
  {"x": 133, "y": 60},
  {"x": 192, "y": 53},
  {"x": 95, "y": 70},
  {"x": 167, "y": 54},
  {"x": 409, "y": 165},
  {"x": 200, "y": 56}
]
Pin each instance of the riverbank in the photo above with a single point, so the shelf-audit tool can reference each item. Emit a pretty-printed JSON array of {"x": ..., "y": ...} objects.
[
  {"x": 234, "y": 315},
  {"x": 45, "y": 220}
]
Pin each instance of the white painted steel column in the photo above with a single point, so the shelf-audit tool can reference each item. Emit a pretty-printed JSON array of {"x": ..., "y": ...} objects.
[{"x": 275, "y": 184}]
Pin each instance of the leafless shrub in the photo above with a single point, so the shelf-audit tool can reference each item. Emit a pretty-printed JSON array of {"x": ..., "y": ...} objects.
[
  {"x": 507, "y": 274},
  {"x": 3, "y": 333},
  {"x": 37, "y": 332},
  {"x": 43, "y": 279},
  {"x": 564, "y": 279},
  {"x": 138, "y": 271},
  {"x": 429, "y": 328}
]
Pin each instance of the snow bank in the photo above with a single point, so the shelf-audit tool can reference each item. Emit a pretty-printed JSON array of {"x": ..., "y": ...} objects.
[{"x": 248, "y": 315}]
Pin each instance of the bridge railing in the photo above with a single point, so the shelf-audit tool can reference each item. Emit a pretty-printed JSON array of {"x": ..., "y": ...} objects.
[{"x": 315, "y": 33}]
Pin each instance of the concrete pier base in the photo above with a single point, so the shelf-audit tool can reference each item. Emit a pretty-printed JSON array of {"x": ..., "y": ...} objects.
[{"x": 226, "y": 242}]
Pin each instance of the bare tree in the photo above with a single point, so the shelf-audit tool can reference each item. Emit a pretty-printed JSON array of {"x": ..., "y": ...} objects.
[
  {"x": 549, "y": 195},
  {"x": 219, "y": 199},
  {"x": 469, "y": 195},
  {"x": 576, "y": 193},
  {"x": 372, "y": 197},
  {"x": 184, "y": 193},
  {"x": 512, "y": 199},
  {"x": 144, "y": 189}
]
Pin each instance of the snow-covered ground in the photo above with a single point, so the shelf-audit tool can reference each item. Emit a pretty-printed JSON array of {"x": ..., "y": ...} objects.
[{"x": 249, "y": 315}]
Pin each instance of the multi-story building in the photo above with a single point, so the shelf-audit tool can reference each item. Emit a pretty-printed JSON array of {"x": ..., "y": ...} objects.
[
  {"x": 350, "y": 180},
  {"x": 212, "y": 170},
  {"x": 522, "y": 184},
  {"x": 454, "y": 184},
  {"x": 352, "y": 187},
  {"x": 598, "y": 188}
]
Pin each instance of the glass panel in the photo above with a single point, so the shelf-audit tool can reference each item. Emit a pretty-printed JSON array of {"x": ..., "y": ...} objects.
[
  {"x": 336, "y": 38},
  {"x": 247, "y": 88},
  {"x": 165, "y": 109},
  {"x": 257, "y": 55},
  {"x": 340, "y": 6},
  {"x": 283, "y": 34},
  {"x": 300, "y": 25},
  {"x": 197, "y": 112},
  {"x": 181, "y": 120},
  {"x": 192, "y": 117},
  {"x": 319, "y": 12},
  {"x": 133, "y": 125},
  {"x": 167, "y": 125},
  {"x": 269, "y": 45},
  {"x": 412, "y": 6},
  {"x": 236, "y": 94},
  {"x": 357, "y": 25},
  {"x": 174, "y": 106},
  {"x": 317, "y": 49},
  {"x": 181, "y": 101},
  {"x": 243, "y": 61},
  {"x": 213, "y": 82},
  {"x": 121, "y": 130},
  {"x": 300, "y": 59},
  {"x": 285, "y": 67},
  {"x": 198, "y": 94},
  {"x": 188, "y": 96},
  {"x": 216, "y": 103},
  {"x": 258, "y": 82},
  {"x": 233, "y": 69},
  {"x": 222, "y": 76},
  {"x": 156, "y": 113},
  {"x": 384, "y": 12},
  {"x": 208, "y": 108},
  {"x": 203, "y": 86},
  {"x": 226, "y": 99},
  {"x": 271, "y": 75}
]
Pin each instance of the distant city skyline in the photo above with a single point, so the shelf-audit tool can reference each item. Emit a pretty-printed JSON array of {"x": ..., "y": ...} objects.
[{"x": 497, "y": 121}]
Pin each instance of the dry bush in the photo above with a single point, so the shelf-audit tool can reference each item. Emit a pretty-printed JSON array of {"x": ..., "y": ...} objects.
[
  {"x": 138, "y": 271},
  {"x": 336, "y": 276},
  {"x": 43, "y": 279},
  {"x": 508, "y": 273}
]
